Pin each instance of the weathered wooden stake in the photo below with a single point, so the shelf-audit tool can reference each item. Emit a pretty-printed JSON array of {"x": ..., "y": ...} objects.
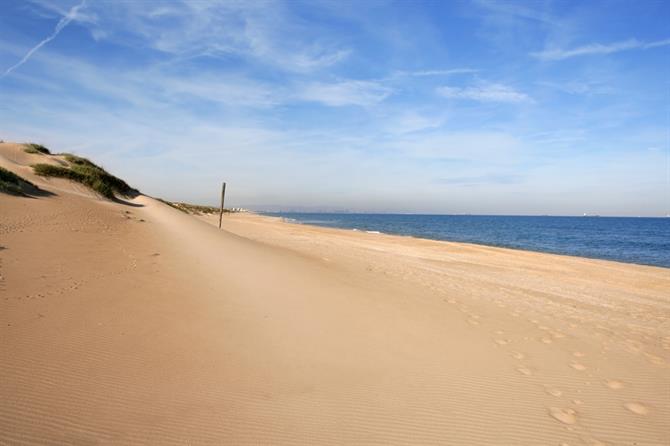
[{"x": 223, "y": 196}]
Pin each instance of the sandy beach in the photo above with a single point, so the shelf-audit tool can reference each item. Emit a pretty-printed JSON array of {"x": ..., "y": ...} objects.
[{"x": 135, "y": 323}]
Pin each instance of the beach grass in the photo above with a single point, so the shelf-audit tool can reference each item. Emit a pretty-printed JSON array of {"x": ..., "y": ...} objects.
[
  {"x": 89, "y": 174},
  {"x": 172, "y": 205},
  {"x": 189, "y": 208},
  {"x": 11, "y": 183},
  {"x": 36, "y": 149}
]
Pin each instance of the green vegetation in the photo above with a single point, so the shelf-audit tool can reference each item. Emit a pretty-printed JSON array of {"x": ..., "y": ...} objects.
[
  {"x": 89, "y": 174},
  {"x": 79, "y": 161},
  {"x": 192, "y": 208},
  {"x": 36, "y": 149},
  {"x": 172, "y": 205},
  {"x": 197, "y": 209},
  {"x": 11, "y": 183}
]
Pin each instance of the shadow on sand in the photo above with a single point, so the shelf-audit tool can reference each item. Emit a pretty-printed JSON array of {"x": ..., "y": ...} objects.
[
  {"x": 128, "y": 203},
  {"x": 30, "y": 191}
]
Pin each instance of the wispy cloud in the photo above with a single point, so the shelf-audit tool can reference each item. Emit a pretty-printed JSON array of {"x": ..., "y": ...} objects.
[
  {"x": 485, "y": 93},
  {"x": 62, "y": 23},
  {"x": 312, "y": 104},
  {"x": 157, "y": 86},
  {"x": 410, "y": 121},
  {"x": 423, "y": 73},
  {"x": 225, "y": 90},
  {"x": 598, "y": 48},
  {"x": 473, "y": 146},
  {"x": 516, "y": 10},
  {"x": 579, "y": 87},
  {"x": 318, "y": 58},
  {"x": 350, "y": 92},
  {"x": 266, "y": 32}
]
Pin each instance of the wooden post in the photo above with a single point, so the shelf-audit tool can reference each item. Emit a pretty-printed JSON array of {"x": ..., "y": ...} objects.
[{"x": 223, "y": 196}]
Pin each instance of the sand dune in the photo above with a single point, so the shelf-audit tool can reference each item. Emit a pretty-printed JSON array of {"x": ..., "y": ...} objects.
[{"x": 139, "y": 324}]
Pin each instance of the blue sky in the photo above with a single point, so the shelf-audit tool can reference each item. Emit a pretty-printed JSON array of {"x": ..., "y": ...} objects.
[{"x": 484, "y": 107}]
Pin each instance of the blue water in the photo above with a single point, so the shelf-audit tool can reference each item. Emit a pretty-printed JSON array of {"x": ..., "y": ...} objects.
[{"x": 633, "y": 240}]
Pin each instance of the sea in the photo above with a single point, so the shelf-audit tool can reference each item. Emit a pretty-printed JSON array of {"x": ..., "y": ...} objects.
[{"x": 638, "y": 240}]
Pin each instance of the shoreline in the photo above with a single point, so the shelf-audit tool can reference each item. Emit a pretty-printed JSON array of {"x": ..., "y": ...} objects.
[
  {"x": 462, "y": 215},
  {"x": 476, "y": 244}
]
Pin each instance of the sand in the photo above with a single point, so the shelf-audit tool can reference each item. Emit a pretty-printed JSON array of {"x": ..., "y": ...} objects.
[{"x": 138, "y": 324}]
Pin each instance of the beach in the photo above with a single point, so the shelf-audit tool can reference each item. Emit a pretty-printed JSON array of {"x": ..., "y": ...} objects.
[{"x": 131, "y": 322}]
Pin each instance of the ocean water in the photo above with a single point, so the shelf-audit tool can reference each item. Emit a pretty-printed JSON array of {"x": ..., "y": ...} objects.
[{"x": 633, "y": 240}]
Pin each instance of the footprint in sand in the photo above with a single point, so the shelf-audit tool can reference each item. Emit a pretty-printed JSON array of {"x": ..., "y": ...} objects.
[
  {"x": 546, "y": 340},
  {"x": 614, "y": 384},
  {"x": 554, "y": 392},
  {"x": 565, "y": 416},
  {"x": 524, "y": 371},
  {"x": 473, "y": 322},
  {"x": 501, "y": 341},
  {"x": 632, "y": 346},
  {"x": 578, "y": 366},
  {"x": 654, "y": 359},
  {"x": 518, "y": 355},
  {"x": 578, "y": 354},
  {"x": 499, "y": 332},
  {"x": 637, "y": 408},
  {"x": 593, "y": 442}
]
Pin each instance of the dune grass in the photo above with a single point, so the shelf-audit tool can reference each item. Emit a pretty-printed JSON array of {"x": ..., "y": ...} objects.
[
  {"x": 89, "y": 174},
  {"x": 172, "y": 205},
  {"x": 196, "y": 208},
  {"x": 37, "y": 149},
  {"x": 11, "y": 183},
  {"x": 189, "y": 208}
]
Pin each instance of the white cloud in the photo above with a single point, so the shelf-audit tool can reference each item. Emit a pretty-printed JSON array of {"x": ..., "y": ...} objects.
[
  {"x": 158, "y": 86},
  {"x": 264, "y": 32},
  {"x": 467, "y": 146},
  {"x": 485, "y": 93},
  {"x": 411, "y": 121},
  {"x": 350, "y": 92},
  {"x": 423, "y": 73},
  {"x": 225, "y": 90},
  {"x": 62, "y": 23},
  {"x": 580, "y": 87},
  {"x": 317, "y": 57},
  {"x": 598, "y": 48},
  {"x": 516, "y": 10}
]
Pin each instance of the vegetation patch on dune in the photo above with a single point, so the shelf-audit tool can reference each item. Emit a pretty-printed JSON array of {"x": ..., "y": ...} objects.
[
  {"x": 36, "y": 149},
  {"x": 197, "y": 209},
  {"x": 11, "y": 183},
  {"x": 192, "y": 208},
  {"x": 172, "y": 205},
  {"x": 89, "y": 174}
]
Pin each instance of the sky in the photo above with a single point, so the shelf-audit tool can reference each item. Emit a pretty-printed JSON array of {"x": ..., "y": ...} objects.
[{"x": 477, "y": 107}]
